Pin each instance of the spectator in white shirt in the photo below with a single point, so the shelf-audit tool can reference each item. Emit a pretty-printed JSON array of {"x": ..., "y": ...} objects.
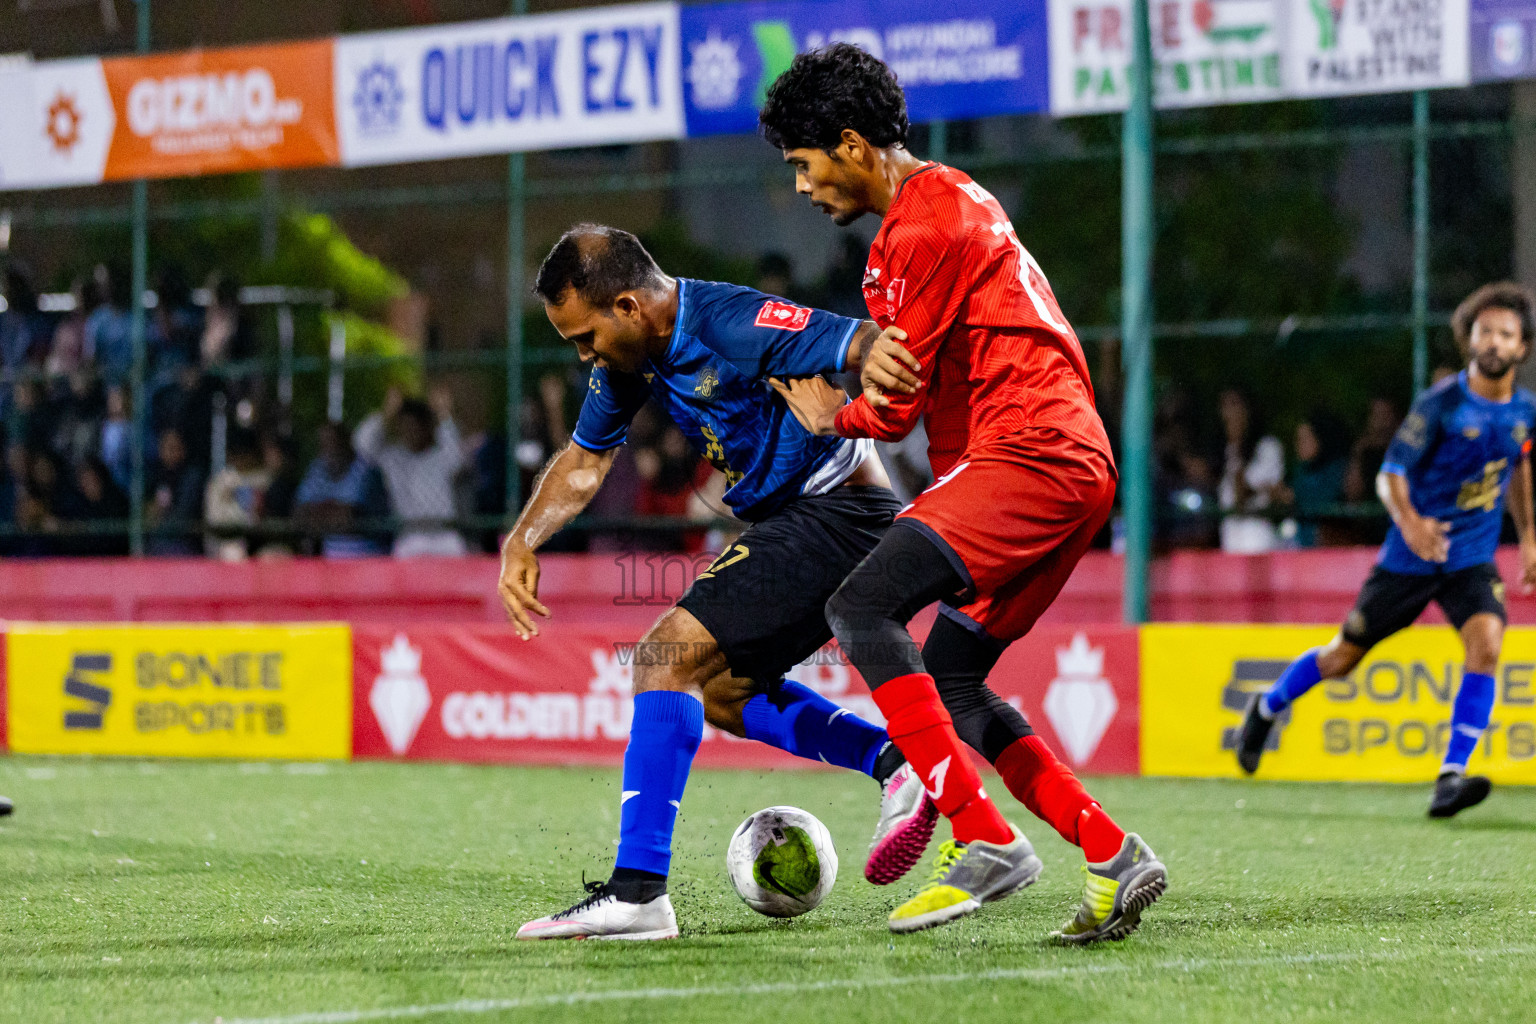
[
  {"x": 418, "y": 470},
  {"x": 1253, "y": 471}
]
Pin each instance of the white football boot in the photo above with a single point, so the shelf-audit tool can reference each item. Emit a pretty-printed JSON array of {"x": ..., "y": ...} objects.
[
  {"x": 604, "y": 916},
  {"x": 907, "y": 817}
]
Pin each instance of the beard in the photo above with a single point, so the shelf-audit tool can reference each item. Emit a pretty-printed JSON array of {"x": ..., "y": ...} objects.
[
  {"x": 847, "y": 217},
  {"x": 1492, "y": 365}
]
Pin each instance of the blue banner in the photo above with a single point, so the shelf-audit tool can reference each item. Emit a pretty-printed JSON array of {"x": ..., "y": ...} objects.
[
  {"x": 1503, "y": 37},
  {"x": 991, "y": 59}
]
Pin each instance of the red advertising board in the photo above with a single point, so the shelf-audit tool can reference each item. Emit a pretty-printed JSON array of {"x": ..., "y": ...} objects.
[{"x": 478, "y": 693}]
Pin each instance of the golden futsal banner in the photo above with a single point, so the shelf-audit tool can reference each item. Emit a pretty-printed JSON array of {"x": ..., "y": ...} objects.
[
  {"x": 1389, "y": 721},
  {"x": 193, "y": 691}
]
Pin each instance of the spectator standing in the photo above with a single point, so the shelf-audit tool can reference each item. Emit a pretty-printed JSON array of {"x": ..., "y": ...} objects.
[
  {"x": 418, "y": 470},
  {"x": 337, "y": 491},
  {"x": 1381, "y": 422},
  {"x": 67, "y": 353},
  {"x": 234, "y": 501},
  {"x": 175, "y": 498},
  {"x": 115, "y": 444},
  {"x": 22, "y": 337},
  {"x": 1253, "y": 470},
  {"x": 109, "y": 328},
  {"x": 1317, "y": 482},
  {"x": 95, "y": 499}
]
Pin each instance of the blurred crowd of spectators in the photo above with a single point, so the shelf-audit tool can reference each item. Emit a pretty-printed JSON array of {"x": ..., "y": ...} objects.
[{"x": 222, "y": 478}]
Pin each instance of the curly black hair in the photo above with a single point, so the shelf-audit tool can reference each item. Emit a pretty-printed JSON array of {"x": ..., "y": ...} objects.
[
  {"x": 1499, "y": 295},
  {"x": 827, "y": 90}
]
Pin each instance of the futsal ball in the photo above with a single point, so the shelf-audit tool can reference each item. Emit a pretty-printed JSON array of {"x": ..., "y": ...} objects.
[{"x": 781, "y": 862}]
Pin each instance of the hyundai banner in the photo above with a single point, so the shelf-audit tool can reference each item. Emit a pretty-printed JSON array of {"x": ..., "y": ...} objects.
[
  {"x": 988, "y": 58},
  {"x": 585, "y": 78}
]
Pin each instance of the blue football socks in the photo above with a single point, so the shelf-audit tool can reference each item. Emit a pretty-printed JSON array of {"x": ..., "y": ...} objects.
[
  {"x": 663, "y": 738},
  {"x": 808, "y": 725},
  {"x": 1301, "y": 676},
  {"x": 1469, "y": 718}
]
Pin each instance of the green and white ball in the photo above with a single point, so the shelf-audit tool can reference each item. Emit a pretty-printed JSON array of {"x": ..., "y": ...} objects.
[{"x": 781, "y": 862}]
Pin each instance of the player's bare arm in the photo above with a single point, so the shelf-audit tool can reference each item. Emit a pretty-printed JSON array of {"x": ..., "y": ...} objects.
[
  {"x": 1428, "y": 538},
  {"x": 567, "y": 484},
  {"x": 1522, "y": 510}
]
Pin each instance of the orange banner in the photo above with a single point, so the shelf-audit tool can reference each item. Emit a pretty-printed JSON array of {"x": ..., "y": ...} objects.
[{"x": 216, "y": 111}]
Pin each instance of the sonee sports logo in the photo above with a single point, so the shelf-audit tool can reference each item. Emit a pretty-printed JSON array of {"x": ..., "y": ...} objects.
[
  {"x": 1251, "y": 676},
  {"x": 76, "y": 685},
  {"x": 783, "y": 316}
]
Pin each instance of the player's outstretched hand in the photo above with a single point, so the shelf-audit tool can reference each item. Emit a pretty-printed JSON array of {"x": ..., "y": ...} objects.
[
  {"x": 519, "y": 589},
  {"x": 1428, "y": 538},
  {"x": 889, "y": 368},
  {"x": 813, "y": 401}
]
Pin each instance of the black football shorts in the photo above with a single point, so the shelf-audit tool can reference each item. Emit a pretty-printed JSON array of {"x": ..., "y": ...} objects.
[
  {"x": 1391, "y": 601},
  {"x": 763, "y": 599}
]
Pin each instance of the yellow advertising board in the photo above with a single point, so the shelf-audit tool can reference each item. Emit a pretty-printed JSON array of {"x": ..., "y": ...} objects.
[
  {"x": 1387, "y": 722},
  {"x": 248, "y": 691}
]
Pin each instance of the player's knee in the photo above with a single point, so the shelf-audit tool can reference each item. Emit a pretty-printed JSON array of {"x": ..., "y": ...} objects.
[
  {"x": 1483, "y": 638},
  {"x": 677, "y": 653}
]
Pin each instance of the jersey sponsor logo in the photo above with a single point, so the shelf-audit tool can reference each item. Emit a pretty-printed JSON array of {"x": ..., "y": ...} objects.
[
  {"x": 1414, "y": 431},
  {"x": 707, "y": 383},
  {"x": 1519, "y": 434},
  {"x": 894, "y": 293},
  {"x": 782, "y": 316},
  {"x": 1471, "y": 433},
  {"x": 1483, "y": 492}
]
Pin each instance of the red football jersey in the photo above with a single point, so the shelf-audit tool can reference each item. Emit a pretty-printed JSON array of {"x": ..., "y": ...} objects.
[{"x": 997, "y": 354}]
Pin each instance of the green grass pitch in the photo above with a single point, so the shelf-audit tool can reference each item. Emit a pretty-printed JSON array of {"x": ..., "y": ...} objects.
[{"x": 171, "y": 892}]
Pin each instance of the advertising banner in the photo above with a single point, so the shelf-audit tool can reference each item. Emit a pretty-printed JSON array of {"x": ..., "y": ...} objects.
[
  {"x": 1388, "y": 722},
  {"x": 1503, "y": 36},
  {"x": 478, "y": 693},
  {"x": 56, "y": 120},
  {"x": 591, "y": 77},
  {"x": 1205, "y": 52},
  {"x": 987, "y": 58},
  {"x": 194, "y": 691},
  {"x": 212, "y": 111},
  {"x": 1346, "y": 47}
]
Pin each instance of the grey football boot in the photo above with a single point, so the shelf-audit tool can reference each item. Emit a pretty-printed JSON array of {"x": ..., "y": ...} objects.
[{"x": 966, "y": 875}]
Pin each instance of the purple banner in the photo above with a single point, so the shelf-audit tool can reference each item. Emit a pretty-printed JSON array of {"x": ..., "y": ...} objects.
[{"x": 1503, "y": 38}]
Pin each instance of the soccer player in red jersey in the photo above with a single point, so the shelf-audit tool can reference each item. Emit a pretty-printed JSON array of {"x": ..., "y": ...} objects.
[{"x": 1024, "y": 474}]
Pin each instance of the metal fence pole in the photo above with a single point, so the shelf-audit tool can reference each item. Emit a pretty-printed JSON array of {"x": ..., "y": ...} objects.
[
  {"x": 1136, "y": 235},
  {"x": 517, "y": 197},
  {"x": 938, "y": 141},
  {"x": 137, "y": 382},
  {"x": 1420, "y": 241}
]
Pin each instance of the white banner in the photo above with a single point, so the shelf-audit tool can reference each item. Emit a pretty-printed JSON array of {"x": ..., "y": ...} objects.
[
  {"x": 56, "y": 124},
  {"x": 591, "y": 77},
  {"x": 1346, "y": 47},
  {"x": 1205, "y": 52}
]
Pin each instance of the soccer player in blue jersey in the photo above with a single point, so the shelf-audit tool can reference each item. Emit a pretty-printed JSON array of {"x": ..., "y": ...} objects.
[
  {"x": 1464, "y": 446},
  {"x": 816, "y": 507}
]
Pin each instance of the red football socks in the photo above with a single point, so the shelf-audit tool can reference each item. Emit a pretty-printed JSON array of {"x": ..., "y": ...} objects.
[
  {"x": 922, "y": 730},
  {"x": 1054, "y": 795}
]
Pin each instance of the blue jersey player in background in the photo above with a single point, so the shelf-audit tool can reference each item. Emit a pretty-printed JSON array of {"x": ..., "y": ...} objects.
[
  {"x": 1463, "y": 450},
  {"x": 816, "y": 506}
]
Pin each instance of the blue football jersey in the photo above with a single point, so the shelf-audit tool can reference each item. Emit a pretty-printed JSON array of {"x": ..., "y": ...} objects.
[
  {"x": 1457, "y": 451},
  {"x": 713, "y": 381}
]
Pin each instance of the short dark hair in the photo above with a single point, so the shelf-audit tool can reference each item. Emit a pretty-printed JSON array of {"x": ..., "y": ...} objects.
[
  {"x": 599, "y": 262},
  {"x": 827, "y": 90},
  {"x": 421, "y": 412},
  {"x": 1499, "y": 295}
]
